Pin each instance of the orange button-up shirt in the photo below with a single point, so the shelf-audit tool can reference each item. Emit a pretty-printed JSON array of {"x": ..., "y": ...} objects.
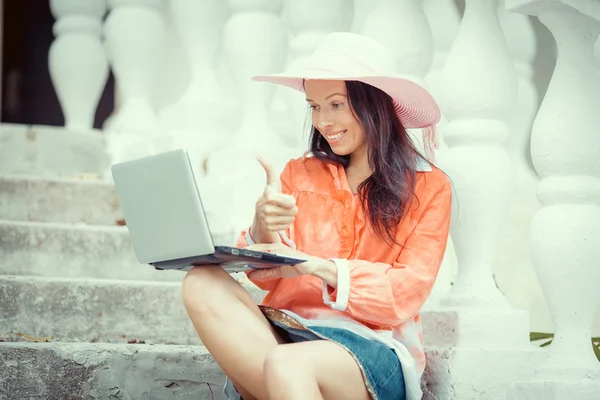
[{"x": 387, "y": 284}]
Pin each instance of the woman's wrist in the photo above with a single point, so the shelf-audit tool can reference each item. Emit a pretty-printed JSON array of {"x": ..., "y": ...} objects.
[
  {"x": 259, "y": 235},
  {"x": 325, "y": 270}
]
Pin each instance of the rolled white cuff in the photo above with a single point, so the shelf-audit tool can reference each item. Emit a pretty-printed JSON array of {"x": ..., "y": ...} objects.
[
  {"x": 343, "y": 286},
  {"x": 284, "y": 238}
]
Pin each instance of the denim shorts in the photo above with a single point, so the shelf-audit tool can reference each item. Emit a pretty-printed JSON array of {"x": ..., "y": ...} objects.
[{"x": 381, "y": 369}]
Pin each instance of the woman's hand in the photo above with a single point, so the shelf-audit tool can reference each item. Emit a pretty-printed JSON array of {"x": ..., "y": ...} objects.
[
  {"x": 275, "y": 211},
  {"x": 315, "y": 266}
]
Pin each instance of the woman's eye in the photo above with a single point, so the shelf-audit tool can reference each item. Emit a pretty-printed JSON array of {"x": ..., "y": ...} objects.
[
  {"x": 337, "y": 105},
  {"x": 313, "y": 107}
]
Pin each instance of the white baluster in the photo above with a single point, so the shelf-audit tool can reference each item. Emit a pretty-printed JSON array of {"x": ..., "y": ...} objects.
[
  {"x": 444, "y": 20},
  {"x": 199, "y": 24},
  {"x": 309, "y": 21},
  {"x": 477, "y": 93},
  {"x": 255, "y": 43},
  {"x": 521, "y": 40},
  {"x": 362, "y": 9},
  {"x": 514, "y": 272},
  {"x": 135, "y": 32},
  {"x": 77, "y": 61},
  {"x": 402, "y": 26},
  {"x": 565, "y": 233}
]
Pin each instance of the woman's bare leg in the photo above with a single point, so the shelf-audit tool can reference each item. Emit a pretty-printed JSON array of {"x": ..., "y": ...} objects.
[
  {"x": 316, "y": 369},
  {"x": 231, "y": 326}
]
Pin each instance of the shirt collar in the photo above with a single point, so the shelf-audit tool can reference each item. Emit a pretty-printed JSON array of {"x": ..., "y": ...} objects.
[
  {"x": 337, "y": 171},
  {"x": 422, "y": 165}
]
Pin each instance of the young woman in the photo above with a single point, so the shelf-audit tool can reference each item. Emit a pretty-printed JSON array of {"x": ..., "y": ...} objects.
[{"x": 369, "y": 213}]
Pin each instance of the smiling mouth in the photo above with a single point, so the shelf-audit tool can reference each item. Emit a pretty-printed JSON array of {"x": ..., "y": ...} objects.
[{"x": 335, "y": 137}]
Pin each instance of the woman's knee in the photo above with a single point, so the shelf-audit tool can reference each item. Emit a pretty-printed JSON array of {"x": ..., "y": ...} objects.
[
  {"x": 283, "y": 364},
  {"x": 202, "y": 283}
]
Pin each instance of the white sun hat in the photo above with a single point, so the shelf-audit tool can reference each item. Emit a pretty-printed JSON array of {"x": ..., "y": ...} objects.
[{"x": 352, "y": 57}]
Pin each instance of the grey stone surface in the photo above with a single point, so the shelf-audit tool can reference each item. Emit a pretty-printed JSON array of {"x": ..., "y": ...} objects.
[
  {"x": 45, "y": 249},
  {"x": 62, "y": 200},
  {"x": 90, "y": 251},
  {"x": 474, "y": 372},
  {"x": 51, "y": 151},
  {"x": 74, "y": 310},
  {"x": 449, "y": 326},
  {"x": 94, "y": 310},
  {"x": 105, "y": 371}
]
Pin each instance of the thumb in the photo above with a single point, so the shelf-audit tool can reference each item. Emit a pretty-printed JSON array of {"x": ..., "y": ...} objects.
[{"x": 272, "y": 178}]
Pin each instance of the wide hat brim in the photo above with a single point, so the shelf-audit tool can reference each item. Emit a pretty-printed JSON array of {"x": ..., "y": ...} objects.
[{"x": 415, "y": 106}]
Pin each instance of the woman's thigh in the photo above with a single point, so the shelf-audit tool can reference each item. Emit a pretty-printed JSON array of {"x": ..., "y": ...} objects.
[
  {"x": 336, "y": 372},
  {"x": 230, "y": 325},
  {"x": 371, "y": 365}
]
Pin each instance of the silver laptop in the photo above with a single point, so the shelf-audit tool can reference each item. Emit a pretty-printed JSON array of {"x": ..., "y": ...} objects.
[{"x": 167, "y": 222}]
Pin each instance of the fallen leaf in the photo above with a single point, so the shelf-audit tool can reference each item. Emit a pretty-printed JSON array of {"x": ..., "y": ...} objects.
[
  {"x": 90, "y": 176},
  {"x": 36, "y": 339}
]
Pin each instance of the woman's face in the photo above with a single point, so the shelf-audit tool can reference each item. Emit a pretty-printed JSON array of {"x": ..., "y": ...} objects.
[{"x": 332, "y": 116}]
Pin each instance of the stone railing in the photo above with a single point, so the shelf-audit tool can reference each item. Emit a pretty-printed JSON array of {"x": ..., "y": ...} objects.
[
  {"x": 182, "y": 71},
  {"x": 565, "y": 232}
]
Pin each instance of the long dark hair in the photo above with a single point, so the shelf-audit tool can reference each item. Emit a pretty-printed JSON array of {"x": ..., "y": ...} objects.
[{"x": 387, "y": 194}]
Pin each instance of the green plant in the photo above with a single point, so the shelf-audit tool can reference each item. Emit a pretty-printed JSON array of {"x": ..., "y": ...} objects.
[{"x": 547, "y": 338}]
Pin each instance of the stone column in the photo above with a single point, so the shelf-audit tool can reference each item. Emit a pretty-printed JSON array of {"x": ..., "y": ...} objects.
[
  {"x": 402, "y": 26},
  {"x": 199, "y": 24},
  {"x": 477, "y": 94},
  {"x": 77, "y": 61},
  {"x": 512, "y": 266},
  {"x": 565, "y": 232},
  {"x": 198, "y": 118},
  {"x": 255, "y": 43},
  {"x": 361, "y": 10},
  {"x": 478, "y": 91},
  {"x": 444, "y": 20},
  {"x": 135, "y": 33}
]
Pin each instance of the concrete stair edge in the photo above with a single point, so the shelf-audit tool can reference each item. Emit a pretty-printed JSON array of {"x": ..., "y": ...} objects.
[{"x": 101, "y": 371}]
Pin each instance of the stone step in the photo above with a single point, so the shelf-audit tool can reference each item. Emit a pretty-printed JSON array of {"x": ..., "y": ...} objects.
[
  {"x": 61, "y": 200},
  {"x": 58, "y": 370},
  {"x": 108, "y": 371},
  {"x": 91, "y": 310},
  {"x": 51, "y": 151},
  {"x": 67, "y": 250},
  {"x": 64, "y": 250}
]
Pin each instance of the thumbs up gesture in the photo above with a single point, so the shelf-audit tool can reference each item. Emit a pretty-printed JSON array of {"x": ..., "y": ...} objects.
[{"x": 275, "y": 211}]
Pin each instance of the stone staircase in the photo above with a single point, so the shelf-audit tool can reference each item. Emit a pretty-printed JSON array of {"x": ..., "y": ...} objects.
[{"x": 81, "y": 318}]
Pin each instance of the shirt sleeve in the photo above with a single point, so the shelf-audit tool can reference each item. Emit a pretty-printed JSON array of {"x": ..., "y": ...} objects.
[
  {"x": 245, "y": 240},
  {"x": 388, "y": 295}
]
